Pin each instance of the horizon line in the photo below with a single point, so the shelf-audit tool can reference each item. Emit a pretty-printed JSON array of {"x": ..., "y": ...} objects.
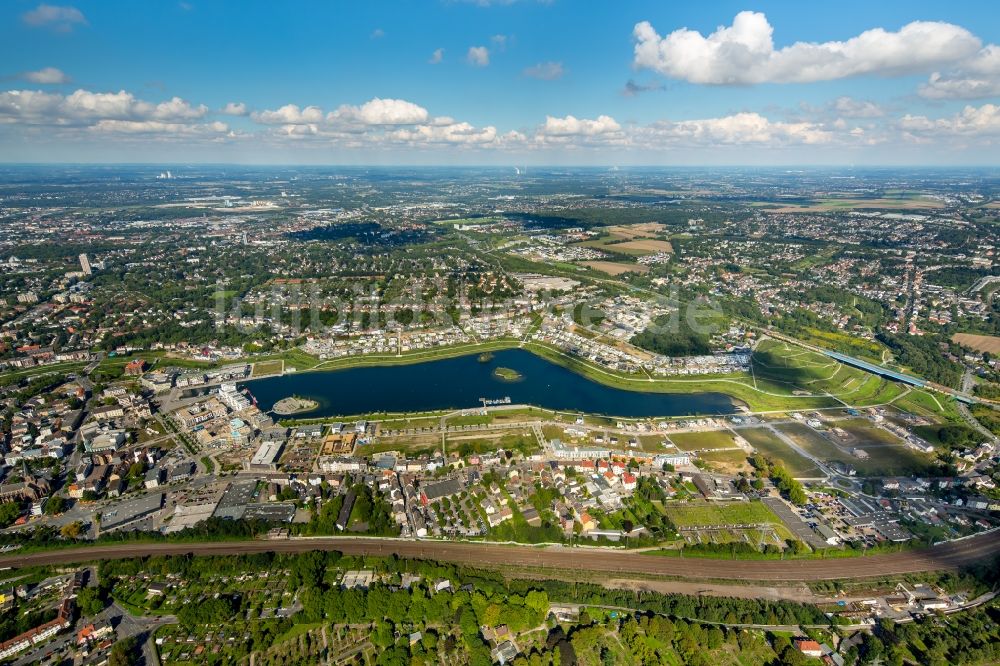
[{"x": 789, "y": 165}]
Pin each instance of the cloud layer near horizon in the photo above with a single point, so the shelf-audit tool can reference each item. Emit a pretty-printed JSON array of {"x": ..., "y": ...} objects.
[{"x": 381, "y": 122}]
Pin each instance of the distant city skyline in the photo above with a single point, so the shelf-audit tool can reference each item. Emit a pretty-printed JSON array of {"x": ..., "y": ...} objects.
[{"x": 507, "y": 82}]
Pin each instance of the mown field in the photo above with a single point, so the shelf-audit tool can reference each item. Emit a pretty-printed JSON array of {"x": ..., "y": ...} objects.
[
  {"x": 714, "y": 514},
  {"x": 885, "y": 457},
  {"x": 695, "y": 441},
  {"x": 769, "y": 444}
]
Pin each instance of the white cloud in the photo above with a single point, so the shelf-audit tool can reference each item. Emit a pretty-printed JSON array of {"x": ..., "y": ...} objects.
[
  {"x": 976, "y": 78},
  {"x": 573, "y": 126},
  {"x": 849, "y": 107},
  {"x": 437, "y": 56},
  {"x": 82, "y": 107},
  {"x": 453, "y": 133},
  {"x": 742, "y": 128},
  {"x": 290, "y": 114},
  {"x": 235, "y": 109},
  {"x": 478, "y": 56},
  {"x": 84, "y": 113},
  {"x": 983, "y": 121},
  {"x": 159, "y": 127},
  {"x": 46, "y": 76},
  {"x": 382, "y": 123},
  {"x": 546, "y": 71},
  {"x": 744, "y": 52},
  {"x": 378, "y": 33},
  {"x": 382, "y": 112},
  {"x": 58, "y": 18}
]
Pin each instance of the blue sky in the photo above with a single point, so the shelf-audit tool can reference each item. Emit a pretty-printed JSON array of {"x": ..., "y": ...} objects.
[{"x": 512, "y": 82}]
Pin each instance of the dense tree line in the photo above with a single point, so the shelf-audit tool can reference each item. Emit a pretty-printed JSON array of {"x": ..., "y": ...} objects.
[
  {"x": 967, "y": 638},
  {"x": 923, "y": 355},
  {"x": 672, "y": 337},
  {"x": 781, "y": 477}
]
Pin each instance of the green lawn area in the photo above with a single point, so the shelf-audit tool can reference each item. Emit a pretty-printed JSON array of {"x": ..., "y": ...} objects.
[
  {"x": 296, "y": 631},
  {"x": 712, "y": 439},
  {"x": 521, "y": 440},
  {"x": 812, "y": 442},
  {"x": 265, "y": 368},
  {"x": 924, "y": 403},
  {"x": 710, "y": 514},
  {"x": 779, "y": 364},
  {"x": 887, "y": 453},
  {"x": 769, "y": 444},
  {"x": 470, "y": 419},
  {"x": 413, "y": 445},
  {"x": 409, "y": 423},
  {"x": 144, "y": 436},
  {"x": 651, "y": 443},
  {"x": 887, "y": 456}
]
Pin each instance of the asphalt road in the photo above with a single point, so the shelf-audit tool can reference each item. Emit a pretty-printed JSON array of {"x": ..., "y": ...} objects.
[{"x": 950, "y": 556}]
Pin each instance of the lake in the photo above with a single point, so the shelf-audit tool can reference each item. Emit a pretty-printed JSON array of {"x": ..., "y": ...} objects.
[{"x": 459, "y": 383}]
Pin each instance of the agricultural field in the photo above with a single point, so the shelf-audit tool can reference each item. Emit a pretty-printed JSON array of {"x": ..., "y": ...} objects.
[
  {"x": 701, "y": 441},
  {"x": 615, "y": 268},
  {"x": 769, "y": 444},
  {"x": 905, "y": 201},
  {"x": 980, "y": 343},
  {"x": 639, "y": 230},
  {"x": 638, "y": 247},
  {"x": 643, "y": 247}
]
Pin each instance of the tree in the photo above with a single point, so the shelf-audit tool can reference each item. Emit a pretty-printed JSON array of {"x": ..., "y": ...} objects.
[
  {"x": 89, "y": 601},
  {"x": 125, "y": 652},
  {"x": 9, "y": 512},
  {"x": 55, "y": 505},
  {"x": 72, "y": 530}
]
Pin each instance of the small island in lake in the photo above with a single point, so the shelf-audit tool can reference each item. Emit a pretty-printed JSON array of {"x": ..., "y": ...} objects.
[
  {"x": 294, "y": 405},
  {"x": 485, "y": 357},
  {"x": 508, "y": 375}
]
